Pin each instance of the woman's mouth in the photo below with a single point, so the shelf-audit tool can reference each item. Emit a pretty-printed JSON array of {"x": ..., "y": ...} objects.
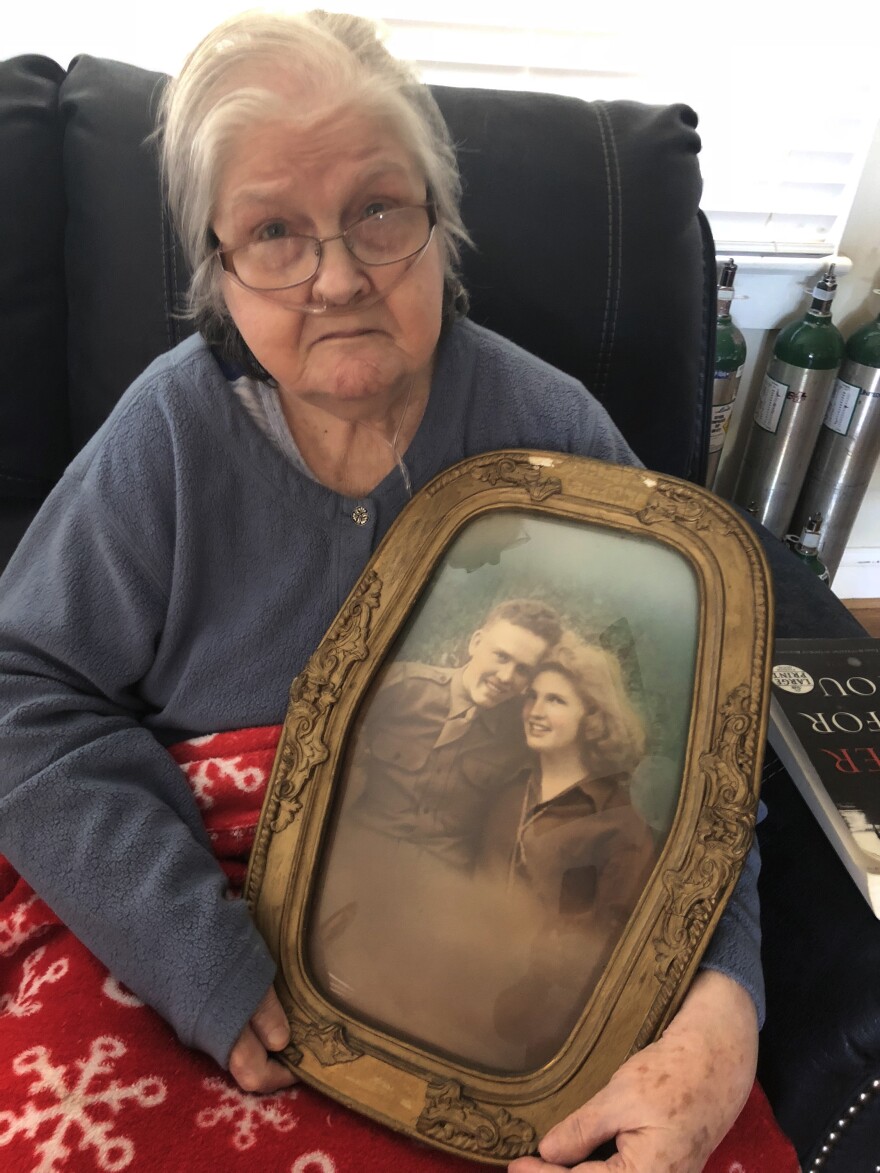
[{"x": 345, "y": 335}]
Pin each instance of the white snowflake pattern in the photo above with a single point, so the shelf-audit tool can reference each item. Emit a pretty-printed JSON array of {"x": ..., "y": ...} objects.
[
  {"x": 247, "y": 1111},
  {"x": 117, "y": 992},
  {"x": 75, "y": 1096},
  {"x": 204, "y": 775},
  {"x": 22, "y": 1003},
  {"x": 15, "y": 930},
  {"x": 316, "y": 1162}
]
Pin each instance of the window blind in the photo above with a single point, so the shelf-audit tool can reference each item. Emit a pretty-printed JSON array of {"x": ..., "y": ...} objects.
[
  {"x": 787, "y": 95},
  {"x": 787, "y": 110}
]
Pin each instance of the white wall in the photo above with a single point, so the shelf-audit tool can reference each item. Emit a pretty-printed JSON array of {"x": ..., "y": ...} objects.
[
  {"x": 157, "y": 35},
  {"x": 816, "y": 44}
]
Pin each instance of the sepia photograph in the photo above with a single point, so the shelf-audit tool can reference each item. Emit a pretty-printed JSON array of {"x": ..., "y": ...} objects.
[{"x": 516, "y": 764}]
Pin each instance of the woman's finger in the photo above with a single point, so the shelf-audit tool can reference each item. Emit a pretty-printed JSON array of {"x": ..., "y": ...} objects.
[
  {"x": 536, "y": 1165},
  {"x": 253, "y": 1070},
  {"x": 270, "y": 1022},
  {"x": 585, "y": 1129}
]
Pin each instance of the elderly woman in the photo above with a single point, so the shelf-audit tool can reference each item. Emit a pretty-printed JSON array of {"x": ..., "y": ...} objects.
[{"x": 194, "y": 553}]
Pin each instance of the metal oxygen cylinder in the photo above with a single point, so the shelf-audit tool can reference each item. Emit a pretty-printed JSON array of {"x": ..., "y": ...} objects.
[
  {"x": 791, "y": 406},
  {"x": 848, "y": 447},
  {"x": 730, "y": 355}
]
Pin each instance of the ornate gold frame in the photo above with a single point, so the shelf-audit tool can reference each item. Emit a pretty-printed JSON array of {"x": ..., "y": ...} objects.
[{"x": 458, "y": 1108}]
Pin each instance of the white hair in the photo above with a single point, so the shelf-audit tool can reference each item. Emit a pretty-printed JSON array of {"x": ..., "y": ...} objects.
[{"x": 333, "y": 62}]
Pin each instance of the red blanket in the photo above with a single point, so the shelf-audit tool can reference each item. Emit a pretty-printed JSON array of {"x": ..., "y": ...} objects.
[{"x": 91, "y": 1079}]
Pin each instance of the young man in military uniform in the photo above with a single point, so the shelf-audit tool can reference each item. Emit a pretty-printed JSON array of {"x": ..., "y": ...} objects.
[{"x": 438, "y": 743}]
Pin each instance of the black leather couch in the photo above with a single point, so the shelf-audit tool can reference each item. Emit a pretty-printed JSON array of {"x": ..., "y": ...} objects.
[{"x": 591, "y": 252}]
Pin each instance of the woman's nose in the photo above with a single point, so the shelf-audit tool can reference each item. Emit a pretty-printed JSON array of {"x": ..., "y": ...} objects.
[{"x": 341, "y": 277}]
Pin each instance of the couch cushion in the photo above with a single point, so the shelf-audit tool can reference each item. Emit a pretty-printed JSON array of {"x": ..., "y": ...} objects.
[
  {"x": 592, "y": 254},
  {"x": 125, "y": 278},
  {"x": 33, "y": 407}
]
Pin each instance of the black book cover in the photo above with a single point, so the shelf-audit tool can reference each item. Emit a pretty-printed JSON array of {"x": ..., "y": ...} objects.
[{"x": 825, "y": 727}]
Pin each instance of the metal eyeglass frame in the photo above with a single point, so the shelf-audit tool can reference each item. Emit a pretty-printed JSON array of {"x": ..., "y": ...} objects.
[{"x": 319, "y": 242}]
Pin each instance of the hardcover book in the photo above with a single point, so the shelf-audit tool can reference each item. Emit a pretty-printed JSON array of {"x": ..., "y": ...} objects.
[{"x": 825, "y": 727}]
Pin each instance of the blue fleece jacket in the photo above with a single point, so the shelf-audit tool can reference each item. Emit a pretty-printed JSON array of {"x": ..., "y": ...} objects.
[{"x": 174, "y": 583}]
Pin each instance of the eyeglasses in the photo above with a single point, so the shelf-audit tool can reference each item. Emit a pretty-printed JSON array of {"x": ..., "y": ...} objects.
[{"x": 285, "y": 261}]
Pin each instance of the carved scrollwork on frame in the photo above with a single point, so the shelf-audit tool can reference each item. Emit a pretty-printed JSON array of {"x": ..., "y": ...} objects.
[
  {"x": 505, "y": 470},
  {"x": 326, "y": 1039},
  {"x": 726, "y": 815},
  {"x": 722, "y": 839},
  {"x": 292, "y": 1054},
  {"x": 521, "y": 473},
  {"x": 488, "y": 1130},
  {"x": 676, "y": 503},
  {"x": 313, "y": 694}
]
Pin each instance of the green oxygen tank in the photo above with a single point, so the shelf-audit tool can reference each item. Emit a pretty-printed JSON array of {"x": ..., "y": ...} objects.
[
  {"x": 805, "y": 546},
  {"x": 848, "y": 447},
  {"x": 730, "y": 356},
  {"x": 790, "y": 409}
]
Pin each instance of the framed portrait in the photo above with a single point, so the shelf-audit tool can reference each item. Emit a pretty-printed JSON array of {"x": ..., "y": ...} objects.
[{"x": 515, "y": 788}]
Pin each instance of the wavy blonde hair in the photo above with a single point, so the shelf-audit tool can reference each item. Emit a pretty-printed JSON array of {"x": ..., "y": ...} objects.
[{"x": 597, "y": 678}]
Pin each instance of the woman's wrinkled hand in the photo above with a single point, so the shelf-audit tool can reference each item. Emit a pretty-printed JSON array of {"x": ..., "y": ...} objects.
[
  {"x": 250, "y": 1064},
  {"x": 670, "y": 1105}
]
